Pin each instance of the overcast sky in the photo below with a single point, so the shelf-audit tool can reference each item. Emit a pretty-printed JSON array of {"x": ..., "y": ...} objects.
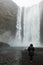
[{"x": 26, "y": 3}]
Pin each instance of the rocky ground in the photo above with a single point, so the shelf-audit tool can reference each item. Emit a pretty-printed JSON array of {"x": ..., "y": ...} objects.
[
  {"x": 19, "y": 56},
  {"x": 10, "y": 56},
  {"x": 37, "y": 59}
]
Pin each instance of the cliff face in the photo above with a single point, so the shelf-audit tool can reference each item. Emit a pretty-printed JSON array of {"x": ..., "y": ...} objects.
[
  {"x": 8, "y": 15},
  {"x": 41, "y": 21},
  {"x": 8, "y": 18}
]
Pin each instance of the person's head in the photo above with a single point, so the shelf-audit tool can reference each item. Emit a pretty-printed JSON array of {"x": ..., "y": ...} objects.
[{"x": 31, "y": 45}]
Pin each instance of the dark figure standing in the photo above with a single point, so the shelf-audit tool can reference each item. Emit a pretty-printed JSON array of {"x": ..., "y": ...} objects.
[{"x": 31, "y": 51}]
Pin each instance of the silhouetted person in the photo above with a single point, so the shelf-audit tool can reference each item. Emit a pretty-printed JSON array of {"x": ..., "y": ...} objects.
[{"x": 31, "y": 51}]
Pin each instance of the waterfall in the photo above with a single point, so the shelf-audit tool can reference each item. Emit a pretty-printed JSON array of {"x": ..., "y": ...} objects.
[
  {"x": 31, "y": 25},
  {"x": 22, "y": 24},
  {"x": 18, "y": 23},
  {"x": 19, "y": 26},
  {"x": 28, "y": 27}
]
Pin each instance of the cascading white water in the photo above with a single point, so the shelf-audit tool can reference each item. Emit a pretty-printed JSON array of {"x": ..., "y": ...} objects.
[
  {"x": 28, "y": 27},
  {"x": 32, "y": 25}
]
